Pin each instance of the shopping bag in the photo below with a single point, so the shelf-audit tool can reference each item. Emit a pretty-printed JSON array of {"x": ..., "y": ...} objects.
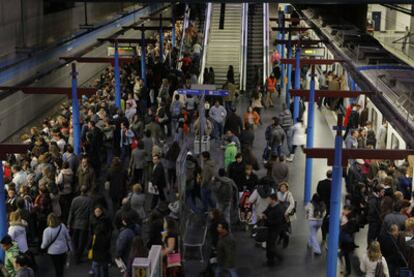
[
  {"x": 153, "y": 189},
  {"x": 173, "y": 260}
]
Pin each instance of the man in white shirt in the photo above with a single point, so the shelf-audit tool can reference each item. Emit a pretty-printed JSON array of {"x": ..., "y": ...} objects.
[{"x": 19, "y": 176}]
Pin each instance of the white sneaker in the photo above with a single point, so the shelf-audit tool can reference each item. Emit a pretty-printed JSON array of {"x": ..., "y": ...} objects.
[{"x": 290, "y": 158}]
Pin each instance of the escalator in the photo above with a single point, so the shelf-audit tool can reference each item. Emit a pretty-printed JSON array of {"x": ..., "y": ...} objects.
[
  {"x": 224, "y": 45},
  {"x": 254, "y": 44}
]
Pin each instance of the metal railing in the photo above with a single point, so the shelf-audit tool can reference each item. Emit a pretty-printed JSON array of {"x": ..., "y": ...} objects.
[
  {"x": 266, "y": 40},
  {"x": 185, "y": 26},
  {"x": 243, "y": 46},
  {"x": 207, "y": 23}
]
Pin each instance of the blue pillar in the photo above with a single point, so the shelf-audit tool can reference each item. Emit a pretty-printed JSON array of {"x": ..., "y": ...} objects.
[
  {"x": 297, "y": 85},
  {"x": 289, "y": 72},
  {"x": 3, "y": 216},
  {"x": 353, "y": 88},
  {"x": 279, "y": 34},
  {"x": 143, "y": 57},
  {"x": 161, "y": 41},
  {"x": 282, "y": 66},
  {"x": 309, "y": 138},
  {"x": 335, "y": 207},
  {"x": 75, "y": 113},
  {"x": 117, "y": 78},
  {"x": 173, "y": 26}
]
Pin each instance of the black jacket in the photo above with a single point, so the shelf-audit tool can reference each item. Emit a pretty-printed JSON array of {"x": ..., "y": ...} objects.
[
  {"x": 393, "y": 249},
  {"x": 234, "y": 124},
  {"x": 374, "y": 206},
  {"x": 80, "y": 212},
  {"x": 275, "y": 218},
  {"x": 102, "y": 245},
  {"x": 158, "y": 177},
  {"x": 324, "y": 191},
  {"x": 236, "y": 172}
]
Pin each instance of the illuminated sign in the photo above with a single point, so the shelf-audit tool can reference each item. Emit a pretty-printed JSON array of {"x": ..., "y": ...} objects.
[
  {"x": 123, "y": 51},
  {"x": 314, "y": 52}
]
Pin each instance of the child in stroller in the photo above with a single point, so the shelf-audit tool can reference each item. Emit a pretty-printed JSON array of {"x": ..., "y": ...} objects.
[{"x": 245, "y": 208}]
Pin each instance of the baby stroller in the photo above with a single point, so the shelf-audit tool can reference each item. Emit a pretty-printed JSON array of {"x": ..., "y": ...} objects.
[{"x": 245, "y": 209}]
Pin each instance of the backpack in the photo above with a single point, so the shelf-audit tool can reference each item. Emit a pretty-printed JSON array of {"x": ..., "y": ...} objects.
[{"x": 379, "y": 269}]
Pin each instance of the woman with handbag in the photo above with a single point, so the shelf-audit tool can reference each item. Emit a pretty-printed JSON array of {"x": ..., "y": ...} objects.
[
  {"x": 56, "y": 241},
  {"x": 170, "y": 250},
  {"x": 315, "y": 212},
  {"x": 373, "y": 263},
  {"x": 285, "y": 198}
]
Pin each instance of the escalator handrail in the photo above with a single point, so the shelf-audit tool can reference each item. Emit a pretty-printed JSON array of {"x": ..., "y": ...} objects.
[
  {"x": 185, "y": 26},
  {"x": 266, "y": 40},
  {"x": 207, "y": 23}
]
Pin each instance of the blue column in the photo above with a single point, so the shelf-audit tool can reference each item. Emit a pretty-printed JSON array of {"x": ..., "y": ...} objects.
[
  {"x": 161, "y": 41},
  {"x": 143, "y": 57},
  {"x": 117, "y": 78},
  {"x": 173, "y": 26},
  {"x": 279, "y": 34},
  {"x": 309, "y": 138},
  {"x": 297, "y": 85},
  {"x": 335, "y": 207},
  {"x": 289, "y": 72},
  {"x": 75, "y": 113},
  {"x": 282, "y": 66},
  {"x": 3, "y": 216}
]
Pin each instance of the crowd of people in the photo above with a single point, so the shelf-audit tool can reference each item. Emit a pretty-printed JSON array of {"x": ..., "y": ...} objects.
[
  {"x": 113, "y": 202},
  {"x": 122, "y": 188}
]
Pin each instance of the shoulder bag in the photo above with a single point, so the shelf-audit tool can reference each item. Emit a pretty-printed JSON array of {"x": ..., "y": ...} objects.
[{"x": 54, "y": 239}]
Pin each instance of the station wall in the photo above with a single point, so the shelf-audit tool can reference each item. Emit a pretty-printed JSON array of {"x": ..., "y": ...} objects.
[{"x": 39, "y": 29}]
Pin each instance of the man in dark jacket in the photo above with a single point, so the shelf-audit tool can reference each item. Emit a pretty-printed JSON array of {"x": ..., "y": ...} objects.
[
  {"x": 207, "y": 175},
  {"x": 86, "y": 175},
  {"x": 236, "y": 170},
  {"x": 137, "y": 163},
  {"x": 158, "y": 181},
  {"x": 280, "y": 170},
  {"x": 277, "y": 137},
  {"x": 374, "y": 219},
  {"x": 148, "y": 145},
  {"x": 394, "y": 250},
  {"x": 78, "y": 221},
  {"x": 127, "y": 233},
  {"x": 224, "y": 193},
  {"x": 226, "y": 251},
  {"x": 233, "y": 123},
  {"x": 125, "y": 210},
  {"x": 247, "y": 138},
  {"x": 324, "y": 191},
  {"x": 274, "y": 217}
]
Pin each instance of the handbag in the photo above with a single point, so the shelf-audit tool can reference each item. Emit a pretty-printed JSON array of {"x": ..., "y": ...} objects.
[
  {"x": 153, "y": 189},
  {"x": 53, "y": 240},
  {"x": 173, "y": 260},
  {"x": 90, "y": 251}
]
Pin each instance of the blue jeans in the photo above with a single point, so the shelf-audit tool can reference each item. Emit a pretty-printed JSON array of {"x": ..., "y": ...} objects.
[
  {"x": 314, "y": 226},
  {"x": 218, "y": 129},
  {"x": 289, "y": 139},
  {"x": 220, "y": 269},
  {"x": 206, "y": 198},
  {"x": 100, "y": 269},
  {"x": 277, "y": 150}
]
